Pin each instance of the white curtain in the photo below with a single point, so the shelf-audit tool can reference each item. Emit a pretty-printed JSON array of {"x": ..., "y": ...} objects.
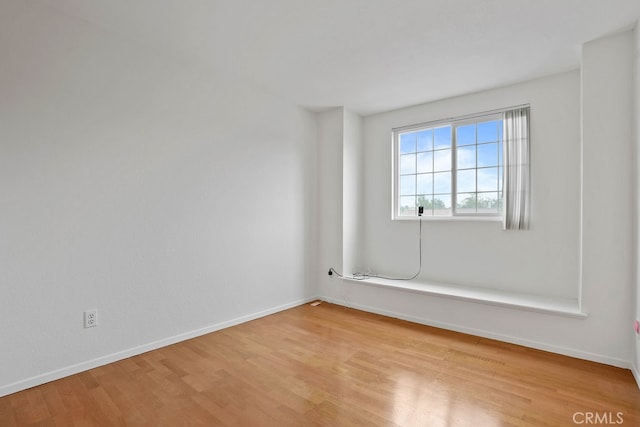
[{"x": 516, "y": 169}]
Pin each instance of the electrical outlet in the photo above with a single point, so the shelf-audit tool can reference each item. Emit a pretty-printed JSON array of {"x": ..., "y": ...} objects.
[{"x": 91, "y": 318}]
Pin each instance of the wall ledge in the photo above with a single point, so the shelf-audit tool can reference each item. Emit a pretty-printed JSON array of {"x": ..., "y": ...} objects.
[{"x": 566, "y": 307}]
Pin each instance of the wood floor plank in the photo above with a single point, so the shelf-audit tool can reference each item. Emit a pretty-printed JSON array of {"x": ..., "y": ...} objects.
[{"x": 326, "y": 366}]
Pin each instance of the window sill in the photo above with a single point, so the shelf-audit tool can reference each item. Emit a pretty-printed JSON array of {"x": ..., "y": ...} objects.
[
  {"x": 467, "y": 218},
  {"x": 550, "y": 305}
]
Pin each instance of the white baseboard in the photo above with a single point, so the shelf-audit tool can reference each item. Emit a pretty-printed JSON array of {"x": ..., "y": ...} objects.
[
  {"x": 636, "y": 375},
  {"x": 491, "y": 335},
  {"x": 114, "y": 357}
]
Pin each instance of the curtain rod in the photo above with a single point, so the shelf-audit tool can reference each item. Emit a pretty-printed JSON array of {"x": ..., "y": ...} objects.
[{"x": 465, "y": 117}]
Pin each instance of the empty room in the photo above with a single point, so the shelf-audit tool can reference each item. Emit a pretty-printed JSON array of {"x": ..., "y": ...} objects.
[{"x": 319, "y": 212}]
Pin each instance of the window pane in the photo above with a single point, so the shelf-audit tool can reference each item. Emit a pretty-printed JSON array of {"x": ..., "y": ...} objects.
[
  {"x": 442, "y": 137},
  {"x": 488, "y": 131},
  {"x": 426, "y": 165},
  {"x": 407, "y": 164},
  {"x": 442, "y": 182},
  {"x": 466, "y": 181},
  {"x": 442, "y": 204},
  {"x": 425, "y": 162},
  {"x": 408, "y": 143},
  {"x": 425, "y": 184},
  {"x": 407, "y": 205},
  {"x": 408, "y": 185},
  {"x": 488, "y": 155},
  {"x": 425, "y": 140},
  {"x": 442, "y": 160},
  {"x": 466, "y": 157},
  {"x": 426, "y": 201},
  {"x": 488, "y": 202},
  {"x": 488, "y": 179},
  {"x": 466, "y": 203},
  {"x": 466, "y": 135}
]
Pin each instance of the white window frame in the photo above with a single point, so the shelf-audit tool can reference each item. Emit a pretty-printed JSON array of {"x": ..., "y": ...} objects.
[{"x": 454, "y": 123}]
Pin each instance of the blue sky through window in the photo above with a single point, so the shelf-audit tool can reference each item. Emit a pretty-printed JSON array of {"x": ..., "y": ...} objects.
[{"x": 426, "y": 170}]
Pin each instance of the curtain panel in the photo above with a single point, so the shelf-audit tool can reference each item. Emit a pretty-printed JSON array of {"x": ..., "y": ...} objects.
[{"x": 516, "y": 178}]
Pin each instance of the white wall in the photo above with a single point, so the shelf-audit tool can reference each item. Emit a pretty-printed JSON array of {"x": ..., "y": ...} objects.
[
  {"x": 636, "y": 340},
  {"x": 352, "y": 191},
  {"x": 481, "y": 253},
  {"x": 582, "y": 204},
  {"x": 339, "y": 202},
  {"x": 167, "y": 198},
  {"x": 330, "y": 126},
  {"x": 608, "y": 162}
]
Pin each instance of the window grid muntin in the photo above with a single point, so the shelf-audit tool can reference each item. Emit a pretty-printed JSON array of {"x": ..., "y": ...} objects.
[
  {"x": 479, "y": 190},
  {"x": 453, "y": 170}
]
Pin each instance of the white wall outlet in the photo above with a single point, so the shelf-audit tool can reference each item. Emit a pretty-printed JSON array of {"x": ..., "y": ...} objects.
[{"x": 91, "y": 318}]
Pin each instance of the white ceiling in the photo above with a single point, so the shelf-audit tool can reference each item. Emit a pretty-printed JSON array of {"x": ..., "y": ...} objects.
[{"x": 367, "y": 55}]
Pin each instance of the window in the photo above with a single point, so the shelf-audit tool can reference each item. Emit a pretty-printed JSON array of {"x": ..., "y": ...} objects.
[{"x": 451, "y": 168}]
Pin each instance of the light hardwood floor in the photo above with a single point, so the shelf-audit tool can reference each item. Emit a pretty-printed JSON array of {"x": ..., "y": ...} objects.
[{"x": 333, "y": 366}]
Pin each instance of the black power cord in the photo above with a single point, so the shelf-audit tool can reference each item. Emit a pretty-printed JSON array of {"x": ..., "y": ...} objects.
[{"x": 364, "y": 276}]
